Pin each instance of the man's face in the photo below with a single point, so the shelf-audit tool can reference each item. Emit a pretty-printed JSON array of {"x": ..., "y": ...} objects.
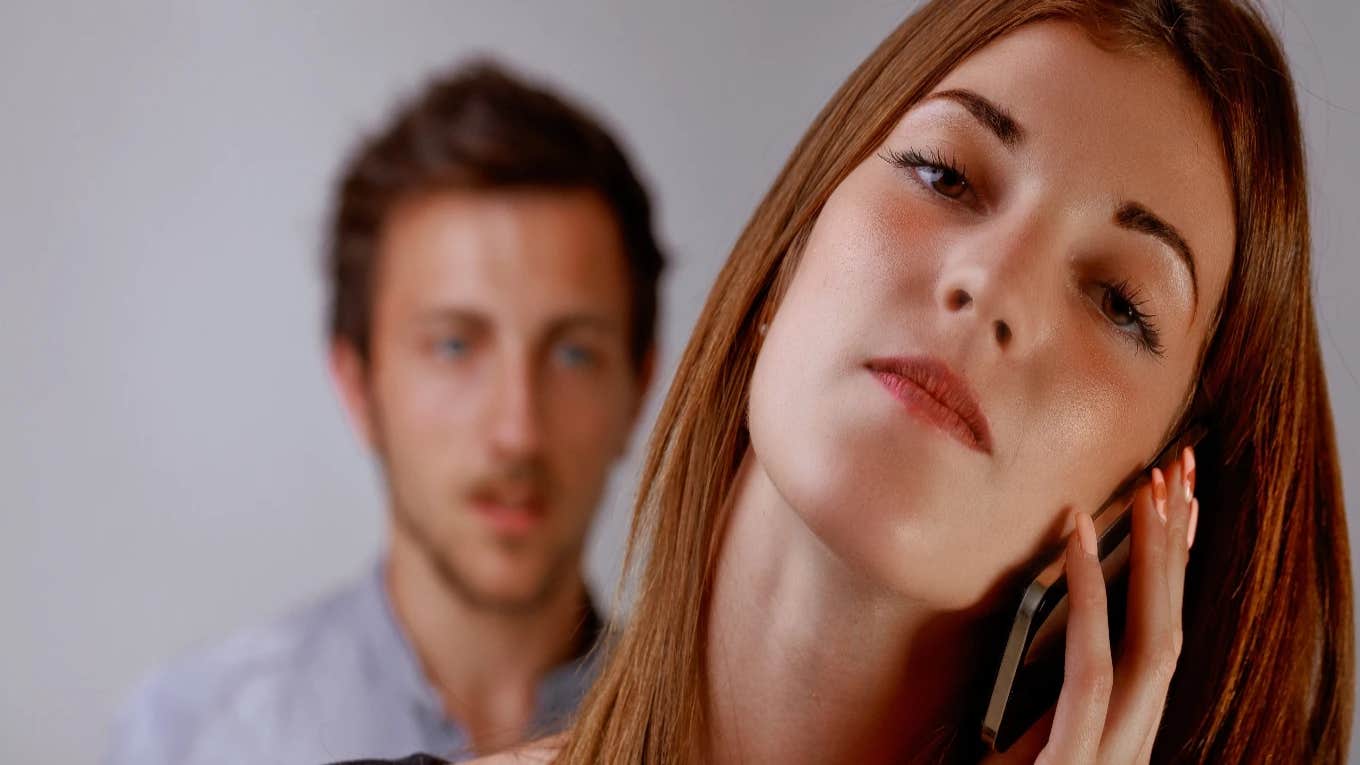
[{"x": 499, "y": 388}]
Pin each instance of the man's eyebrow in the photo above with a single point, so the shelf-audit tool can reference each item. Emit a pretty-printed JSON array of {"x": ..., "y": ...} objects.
[
  {"x": 583, "y": 321},
  {"x": 992, "y": 117},
  {"x": 564, "y": 323},
  {"x": 1136, "y": 217},
  {"x": 452, "y": 315}
]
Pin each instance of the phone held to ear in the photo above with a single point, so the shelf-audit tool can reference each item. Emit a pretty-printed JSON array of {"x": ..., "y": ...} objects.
[{"x": 1030, "y": 674}]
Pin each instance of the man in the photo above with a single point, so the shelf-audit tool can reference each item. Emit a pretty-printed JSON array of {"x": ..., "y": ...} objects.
[{"x": 493, "y": 277}]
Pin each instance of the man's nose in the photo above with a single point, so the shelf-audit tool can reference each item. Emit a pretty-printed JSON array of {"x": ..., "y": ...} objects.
[
  {"x": 515, "y": 426},
  {"x": 996, "y": 284}
]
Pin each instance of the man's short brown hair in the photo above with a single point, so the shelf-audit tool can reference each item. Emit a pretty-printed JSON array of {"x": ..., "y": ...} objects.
[{"x": 479, "y": 127}]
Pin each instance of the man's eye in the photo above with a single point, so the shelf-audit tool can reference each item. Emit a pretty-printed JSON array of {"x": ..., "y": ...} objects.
[
  {"x": 451, "y": 347},
  {"x": 944, "y": 180},
  {"x": 575, "y": 355}
]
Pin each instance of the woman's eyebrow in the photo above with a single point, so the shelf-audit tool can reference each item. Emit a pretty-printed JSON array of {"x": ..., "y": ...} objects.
[
  {"x": 993, "y": 117},
  {"x": 1136, "y": 217}
]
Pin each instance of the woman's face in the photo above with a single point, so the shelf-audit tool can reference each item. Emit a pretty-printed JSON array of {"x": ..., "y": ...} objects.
[{"x": 1053, "y": 227}]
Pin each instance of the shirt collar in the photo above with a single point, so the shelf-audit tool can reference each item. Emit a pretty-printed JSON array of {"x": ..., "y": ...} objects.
[{"x": 559, "y": 692}]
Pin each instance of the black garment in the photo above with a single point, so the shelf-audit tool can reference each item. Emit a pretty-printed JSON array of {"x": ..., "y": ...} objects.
[{"x": 412, "y": 760}]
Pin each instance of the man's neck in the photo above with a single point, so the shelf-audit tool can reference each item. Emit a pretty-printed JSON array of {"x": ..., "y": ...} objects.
[
  {"x": 830, "y": 667},
  {"x": 485, "y": 664}
]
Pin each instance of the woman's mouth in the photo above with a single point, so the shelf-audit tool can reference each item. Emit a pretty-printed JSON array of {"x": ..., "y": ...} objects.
[{"x": 936, "y": 394}]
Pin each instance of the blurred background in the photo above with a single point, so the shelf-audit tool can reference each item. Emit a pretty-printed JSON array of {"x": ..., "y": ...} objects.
[{"x": 173, "y": 461}]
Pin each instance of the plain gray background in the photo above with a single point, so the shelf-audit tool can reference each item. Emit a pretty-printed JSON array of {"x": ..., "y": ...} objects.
[{"x": 173, "y": 463}]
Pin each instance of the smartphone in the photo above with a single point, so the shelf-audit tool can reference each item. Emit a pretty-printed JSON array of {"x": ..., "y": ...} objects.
[{"x": 1030, "y": 674}]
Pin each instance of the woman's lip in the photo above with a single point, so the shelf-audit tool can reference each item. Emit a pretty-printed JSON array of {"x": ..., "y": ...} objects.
[{"x": 933, "y": 391}]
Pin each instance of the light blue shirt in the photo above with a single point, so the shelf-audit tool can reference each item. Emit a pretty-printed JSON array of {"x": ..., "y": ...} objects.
[{"x": 337, "y": 680}]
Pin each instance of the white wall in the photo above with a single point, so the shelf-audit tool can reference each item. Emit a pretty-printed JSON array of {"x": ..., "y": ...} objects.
[{"x": 172, "y": 461}]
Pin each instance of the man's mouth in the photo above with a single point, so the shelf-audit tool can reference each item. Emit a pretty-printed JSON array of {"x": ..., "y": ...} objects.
[{"x": 512, "y": 511}]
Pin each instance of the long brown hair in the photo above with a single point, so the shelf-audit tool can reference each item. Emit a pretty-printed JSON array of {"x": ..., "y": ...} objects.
[{"x": 1266, "y": 666}]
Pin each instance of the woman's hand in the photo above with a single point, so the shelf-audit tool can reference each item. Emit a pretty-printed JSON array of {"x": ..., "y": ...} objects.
[{"x": 1106, "y": 713}]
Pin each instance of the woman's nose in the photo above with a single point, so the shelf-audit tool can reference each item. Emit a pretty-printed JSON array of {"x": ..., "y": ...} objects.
[
  {"x": 996, "y": 284},
  {"x": 959, "y": 298}
]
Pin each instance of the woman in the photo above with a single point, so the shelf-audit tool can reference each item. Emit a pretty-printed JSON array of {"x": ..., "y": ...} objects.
[{"x": 1021, "y": 247}]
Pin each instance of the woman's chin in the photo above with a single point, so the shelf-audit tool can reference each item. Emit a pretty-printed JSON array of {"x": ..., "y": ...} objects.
[{"x": 879, "y": 500}]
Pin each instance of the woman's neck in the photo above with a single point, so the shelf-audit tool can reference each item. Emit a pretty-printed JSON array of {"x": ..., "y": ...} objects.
[{"x": 809, "y": 661}]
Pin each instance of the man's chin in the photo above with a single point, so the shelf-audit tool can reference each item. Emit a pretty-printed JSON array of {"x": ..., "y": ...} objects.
[
  {"x": 487, "y": 572},
  {"x": 507, "y": 600},
  {"x": 525, "y": 588}
]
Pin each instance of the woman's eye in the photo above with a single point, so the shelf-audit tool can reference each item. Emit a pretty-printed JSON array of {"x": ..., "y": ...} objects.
[
  {"x": 945, "y": 181},
  {"x": 932, "y": 169},
  {"x": 1120, "y": 311},
  {"x": 1123, "y": 307}
]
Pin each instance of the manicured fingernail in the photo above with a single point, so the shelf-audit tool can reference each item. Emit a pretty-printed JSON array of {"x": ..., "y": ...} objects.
[
  {"x": 1159, "y": 493},
  {"x": 1194, "y": 520},
  {"x": 1190, "y": 468},
  {"x": 1086, "y": 532}
]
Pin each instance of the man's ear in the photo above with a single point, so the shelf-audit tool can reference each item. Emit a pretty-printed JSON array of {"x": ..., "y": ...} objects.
[
  {"x": 349, "y": 375},
  {"x": 646, "y": 372},
  {"x": 643, "y": 375}
]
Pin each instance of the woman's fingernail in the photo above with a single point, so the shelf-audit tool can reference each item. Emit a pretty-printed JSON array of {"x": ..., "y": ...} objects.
[
  {"x": 1159, "y": 493},
  {"x": 1194, "y": 519},
  {"x": 1190, "y": 468},
  {"x": 1086, "y": 532}
]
